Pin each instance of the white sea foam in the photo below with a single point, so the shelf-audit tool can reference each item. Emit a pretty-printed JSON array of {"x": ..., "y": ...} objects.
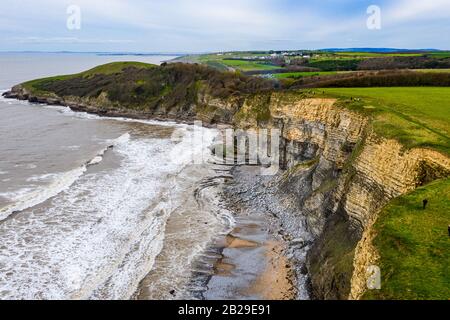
[
  {"x": 99, "y": 157},
  {"x": 28, "y": 197},
  {"x": 42, "y": 177},
  {"x": 10, "y": 101},
  {"x": 98, "y": 234},
  {"x": 33, "y": 195},
  {"x": 100, "y": 237},
  {"x": 96, "y": 160},
  {"x": 90, "y": 116}
]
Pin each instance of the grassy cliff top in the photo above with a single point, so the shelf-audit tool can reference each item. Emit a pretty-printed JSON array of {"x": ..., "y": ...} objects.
[
  {"x": 109, "y": 68},
  {"x": 38, "y": 86},
  {"x": 115, "y": 67},
  {"x": 415, "y": 116},
  {"x": 413, "y": 243}
]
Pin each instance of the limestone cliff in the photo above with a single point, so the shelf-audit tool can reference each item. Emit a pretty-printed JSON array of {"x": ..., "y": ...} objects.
[
  {"x": 353, "y": 173},
  {"x": 338, "y": 173}
]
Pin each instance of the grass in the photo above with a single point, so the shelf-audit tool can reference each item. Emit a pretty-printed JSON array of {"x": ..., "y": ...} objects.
[
  {"x": 326, "y": 57},
  {"x": 32, "y": 86},
  {"x": 295, "y": 75},
  {"x": 445, "y": 54},
  {"x": 115, "y": 67},
  {"x": 415, "y": 116},
  {"x": 109, "y": 68},
  {"x": 414, "y": 245},
  {"x": 226, "y": 61},
  {"x": 325, "y": 61},
  {"x": 258, "y": 109},
  {"x": 216, "y": 65},
  {"x": 378, "y": 55},
  {"x": 432, "y": 70},
  {"x": 244, "y": 65},
  {"x": 344, "y": 64}
]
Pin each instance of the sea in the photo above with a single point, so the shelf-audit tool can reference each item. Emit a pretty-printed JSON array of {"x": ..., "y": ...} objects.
[{"x": 100, "y": 208}]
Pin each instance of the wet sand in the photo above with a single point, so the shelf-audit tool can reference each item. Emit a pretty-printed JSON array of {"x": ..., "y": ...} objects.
[
  {"x": 276, "y": 282},
  {"x": 245, "y": 262},
  {"x": 188, "y": 230},
  {"x": 251, "y": 265}
]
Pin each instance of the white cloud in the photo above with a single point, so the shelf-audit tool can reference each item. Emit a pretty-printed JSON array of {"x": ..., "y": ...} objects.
[
  {"x": 200, "y": 25},
  {"x": 407, "y": 10}
]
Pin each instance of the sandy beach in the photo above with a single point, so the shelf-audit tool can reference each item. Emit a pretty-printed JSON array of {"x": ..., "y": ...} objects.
[
  {"x": 276, "y": 281},
  {"x": 250, "y": 264}
]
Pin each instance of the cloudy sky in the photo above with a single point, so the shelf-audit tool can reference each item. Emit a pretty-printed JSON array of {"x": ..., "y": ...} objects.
[{"x": 219, "y": 25}]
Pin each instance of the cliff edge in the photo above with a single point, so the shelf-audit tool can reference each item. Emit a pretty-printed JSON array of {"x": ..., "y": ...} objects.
[{"x": 341, "y": 166}]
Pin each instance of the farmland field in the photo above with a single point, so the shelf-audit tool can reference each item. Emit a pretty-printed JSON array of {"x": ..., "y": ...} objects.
[
  {"x": 323, "y": 61},
  {"x": 248, "y": 65},
  {"x": 413, "y": 243},
  {"x": 302, "y": 74},
  {"x": 444, "y": 54},
  {"x": 377, "y": 55},
  {"x": 416, "y": 116}
]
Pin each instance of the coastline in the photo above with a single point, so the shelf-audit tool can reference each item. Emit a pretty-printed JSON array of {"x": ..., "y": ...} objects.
[
  {"x": 20, "y": 93},
  {"x": 330, "y": 193},
  {"x": 249, "y": 262}
]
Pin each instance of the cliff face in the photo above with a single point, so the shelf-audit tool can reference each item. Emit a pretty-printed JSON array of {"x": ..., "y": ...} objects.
[
  {"x": 351, "y": 175},
  {"x": 385, "y": 167},
  {"x": 338, "y": 173}
]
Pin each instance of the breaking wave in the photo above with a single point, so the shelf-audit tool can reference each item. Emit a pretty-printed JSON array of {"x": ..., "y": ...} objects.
[{"x": 57, "y": 182}]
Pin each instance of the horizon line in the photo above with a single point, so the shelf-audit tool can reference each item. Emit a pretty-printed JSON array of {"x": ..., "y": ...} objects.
[{"x": 355, "y": 49}]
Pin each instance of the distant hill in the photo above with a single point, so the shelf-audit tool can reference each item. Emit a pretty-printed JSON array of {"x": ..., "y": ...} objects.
[{"x": 379, "y": 50}]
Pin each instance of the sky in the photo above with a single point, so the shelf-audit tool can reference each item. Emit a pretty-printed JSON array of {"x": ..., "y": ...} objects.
[{"x": 182, "y": 26}]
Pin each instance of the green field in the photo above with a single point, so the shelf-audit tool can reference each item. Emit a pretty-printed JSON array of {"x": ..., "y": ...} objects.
[
  {"x": 414, "y": 245},
  {"x": 415, "y": 116},
  {"x": 432, "y": 70},
  {"x": 115, "y": 67},
  {"x": 226, "y": 61},
  {"x": 444, "y": 54},
  {"x": 378, "y": 55},
  {"x": 320, "y": 60},
  {"x": 332, "y": 56},
  {"x": 248, "y": 65},
  {"x": 295, "y": 75}
]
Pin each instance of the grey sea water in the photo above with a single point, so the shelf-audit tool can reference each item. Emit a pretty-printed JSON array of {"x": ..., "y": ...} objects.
[{"x": 85, "y": 201}]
